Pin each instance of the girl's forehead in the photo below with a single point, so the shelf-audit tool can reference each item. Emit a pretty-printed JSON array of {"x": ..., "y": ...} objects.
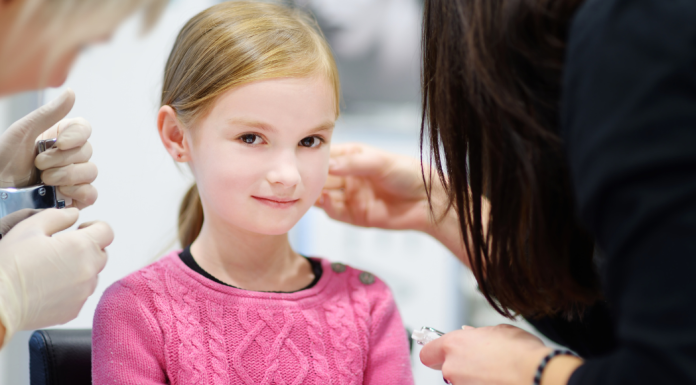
[{"x": 275, "y": 101}]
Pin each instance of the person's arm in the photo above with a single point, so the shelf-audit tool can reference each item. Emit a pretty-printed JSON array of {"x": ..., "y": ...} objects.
[
  {"x": 388, "y": 359},
  {"x": 127, "y": 344},
  {"x": 629, "y": 124}
]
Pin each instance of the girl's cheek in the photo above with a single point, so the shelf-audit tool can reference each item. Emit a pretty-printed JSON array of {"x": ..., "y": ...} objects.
[{"x": 315, "y": 172}]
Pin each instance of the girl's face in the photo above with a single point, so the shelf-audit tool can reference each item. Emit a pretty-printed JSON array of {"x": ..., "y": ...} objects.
[{"x": 261, "y": 156}]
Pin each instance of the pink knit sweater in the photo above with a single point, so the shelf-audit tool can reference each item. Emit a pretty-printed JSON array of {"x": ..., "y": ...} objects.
[{"x": 166, "y": 324}]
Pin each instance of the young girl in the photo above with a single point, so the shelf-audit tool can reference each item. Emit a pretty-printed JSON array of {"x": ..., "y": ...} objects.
[{"x": 249, "y": 101}]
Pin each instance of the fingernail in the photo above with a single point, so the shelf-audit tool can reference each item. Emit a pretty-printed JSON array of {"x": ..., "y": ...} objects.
[
  {"x": 333, "y": 164},
  {"x": 321, "y": 199}
]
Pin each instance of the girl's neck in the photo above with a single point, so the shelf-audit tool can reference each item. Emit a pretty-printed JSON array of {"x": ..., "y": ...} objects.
[{"x": 250, "y": 260}]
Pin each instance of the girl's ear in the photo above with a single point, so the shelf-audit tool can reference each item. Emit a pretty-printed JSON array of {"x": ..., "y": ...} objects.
[{"x": 171, "y": 133}]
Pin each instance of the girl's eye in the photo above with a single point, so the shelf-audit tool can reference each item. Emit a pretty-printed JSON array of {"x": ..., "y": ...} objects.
[
  {"x": 310, "y": 141},
  {"x": 251, "y": 139}
]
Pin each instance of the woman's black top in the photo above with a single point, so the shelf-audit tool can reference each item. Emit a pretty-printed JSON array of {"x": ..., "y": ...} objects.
[{"x": 629, "y": 125}]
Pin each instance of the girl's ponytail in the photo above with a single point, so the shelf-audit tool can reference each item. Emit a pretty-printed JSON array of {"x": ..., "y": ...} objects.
[{"x": 190, "y": 217}]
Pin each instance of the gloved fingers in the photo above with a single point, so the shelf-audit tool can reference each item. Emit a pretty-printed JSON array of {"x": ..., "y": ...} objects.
[
  {"x": 99, "y": 232},
  {"x": 85, "y": 247},
  {"x": 83, "y": 195},
  {"x": 55, "y": 157},
  {"x": 73, "y": 174},
  {"x": 70, "y": 133},
  {"x": 41, "y": 119},
  {"x": 9, "y": 221},
  {"x": 48, "y": 221}
]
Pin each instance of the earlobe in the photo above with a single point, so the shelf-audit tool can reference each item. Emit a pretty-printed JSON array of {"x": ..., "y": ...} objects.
[{"x": 171, "y": 133}]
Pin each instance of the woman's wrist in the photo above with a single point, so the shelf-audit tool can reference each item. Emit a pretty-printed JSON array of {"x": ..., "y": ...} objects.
[
  {"x": 445, "y": 228},
  {"x": 559, "y": 369}
]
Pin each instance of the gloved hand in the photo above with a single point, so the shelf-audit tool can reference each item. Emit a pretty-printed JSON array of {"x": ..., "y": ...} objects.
[
  {"x": 66, "y": 165},
  {"x": 45, "y": 279},
  {"x": 9, "y": 221}
]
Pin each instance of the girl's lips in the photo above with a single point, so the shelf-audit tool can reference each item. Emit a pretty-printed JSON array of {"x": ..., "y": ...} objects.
[{"x": 276, "y": 203}]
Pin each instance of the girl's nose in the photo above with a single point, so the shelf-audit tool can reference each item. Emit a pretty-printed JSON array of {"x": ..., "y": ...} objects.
[{"x": 284, "y": 171}]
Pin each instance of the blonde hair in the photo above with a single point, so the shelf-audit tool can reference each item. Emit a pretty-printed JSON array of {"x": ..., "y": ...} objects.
[
  {"x": 232, "y": 44},
  {"x": 65, "y": 23}
]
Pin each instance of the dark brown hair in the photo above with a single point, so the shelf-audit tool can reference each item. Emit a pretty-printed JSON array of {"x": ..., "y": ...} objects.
[{"x": 491, "y": 89}]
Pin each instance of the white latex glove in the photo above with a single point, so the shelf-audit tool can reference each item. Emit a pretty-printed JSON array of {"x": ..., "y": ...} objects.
[
  {"x": 45, "y": 279},
  {"x": 66, "y": 165}
]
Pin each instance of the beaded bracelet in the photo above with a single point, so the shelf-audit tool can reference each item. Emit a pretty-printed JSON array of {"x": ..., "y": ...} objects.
[{"x": 545, "y": 361}]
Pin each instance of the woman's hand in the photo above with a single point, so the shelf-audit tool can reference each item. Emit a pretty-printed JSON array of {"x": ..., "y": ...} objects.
[
  {"x": 495, "y": 355},
  {"x": 66, "y": 165},
  {"x": 372, "y": 188}
]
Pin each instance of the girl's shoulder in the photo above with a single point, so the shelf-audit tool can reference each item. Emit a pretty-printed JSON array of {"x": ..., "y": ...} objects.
[
  {"x": 354, "y": 279},
  {"x": 146, "y": 281}
]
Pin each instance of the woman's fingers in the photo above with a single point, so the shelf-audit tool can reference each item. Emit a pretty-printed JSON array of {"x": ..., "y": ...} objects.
[
  {"x": 346, "y": 148},
  {"x": 357, "y": 159},
  {"x": 334, "y": 204},
  {"x": 358, "y": 164},
  {"x": 83, "y": 195},
  {"x": 433, "y": 353},
  {"x": 73, "y": 174},
  {"x": 55, "y": 157},
  {"x": 335, "y": 183}
]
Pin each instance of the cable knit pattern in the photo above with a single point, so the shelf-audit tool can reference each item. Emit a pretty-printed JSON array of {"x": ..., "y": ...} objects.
[
  {"x": 318, "y": 351},
  {"x": 162, "y": 307},
  {"x": 361, "y": 306},
  {"x": 185, "y": 308},
  {"x": 167, "y": 324},
  {"x": 217, "y": 342}
]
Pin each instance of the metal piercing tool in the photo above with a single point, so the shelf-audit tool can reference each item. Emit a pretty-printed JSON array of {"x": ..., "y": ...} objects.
[
  {"x": 425, "y": 335},
  {"x": 38, "y": 196}
]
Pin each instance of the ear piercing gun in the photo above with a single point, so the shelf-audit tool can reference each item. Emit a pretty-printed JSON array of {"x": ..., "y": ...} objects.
[{"x": 425, "y": 335}]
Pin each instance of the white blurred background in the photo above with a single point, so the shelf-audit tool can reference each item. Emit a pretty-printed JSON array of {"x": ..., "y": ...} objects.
[{"x": 376, "y": 43}]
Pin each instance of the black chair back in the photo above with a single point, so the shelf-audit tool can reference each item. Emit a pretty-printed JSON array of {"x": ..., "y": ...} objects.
[{"x": 61, "y": 357}]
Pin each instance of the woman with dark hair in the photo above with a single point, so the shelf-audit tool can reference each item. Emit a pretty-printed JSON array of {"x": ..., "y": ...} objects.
[{"x": 562, "y": 137}]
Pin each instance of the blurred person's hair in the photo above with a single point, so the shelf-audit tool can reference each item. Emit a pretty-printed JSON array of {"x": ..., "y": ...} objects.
[
  {"x": 67, "y": 22},
  {"x": 229, "y": 45},
  {"x": 492, "y": 72}
]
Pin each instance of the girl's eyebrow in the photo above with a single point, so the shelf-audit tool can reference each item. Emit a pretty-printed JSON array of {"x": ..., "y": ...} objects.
[
  {"x": 252, "y": 123},
  {"x": 329, "y": 125},
  {"x": 322, "y": 127}
]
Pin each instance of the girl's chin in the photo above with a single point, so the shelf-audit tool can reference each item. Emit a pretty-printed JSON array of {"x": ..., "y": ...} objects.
[
  {"x": 271, "y": 228},
  {"x": 273, "y": 231}
]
